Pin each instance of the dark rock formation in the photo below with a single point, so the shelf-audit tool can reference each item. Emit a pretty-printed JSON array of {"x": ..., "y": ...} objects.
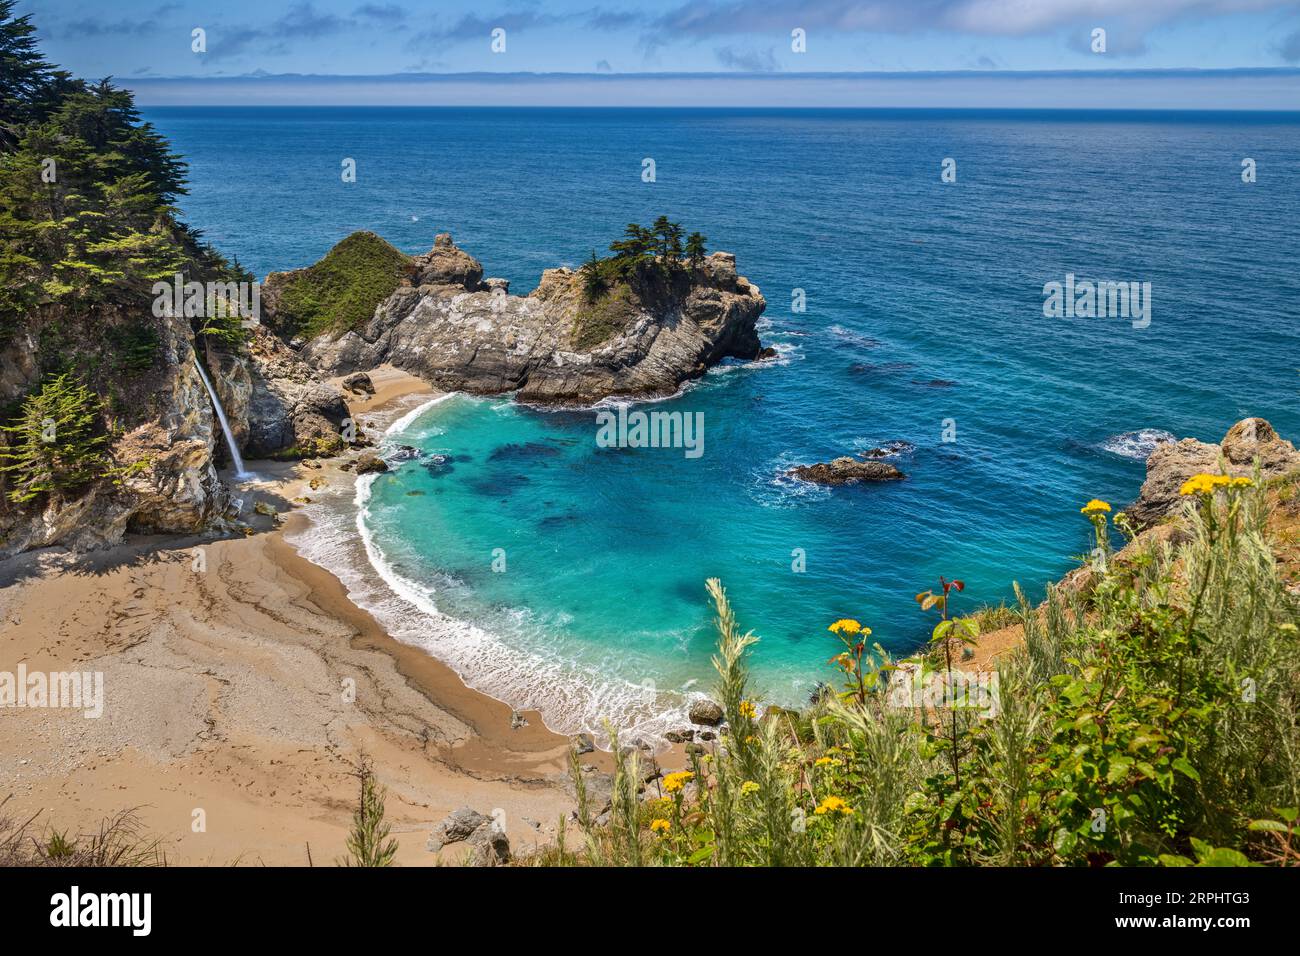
[
  {"x": 1172, "y": 463},
  {"x": 845, "y": 470},
  {"x": 275, "y": 402},
  {"x": 359, "y": 383},
  {"x": 370, "y": 463},
  {"x": 552, "y": 346},
  {"x": 705, "y": 712}
]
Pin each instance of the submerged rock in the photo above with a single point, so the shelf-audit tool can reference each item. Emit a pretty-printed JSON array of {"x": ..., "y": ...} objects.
[{"x": 845, "y": 470}]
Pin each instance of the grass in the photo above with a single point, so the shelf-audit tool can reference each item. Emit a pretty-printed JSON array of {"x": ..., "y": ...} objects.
[
  {"x": 340, "y": 292},
  {"x": 118, "y": 841},
  {"x": 597, "y": 322}
]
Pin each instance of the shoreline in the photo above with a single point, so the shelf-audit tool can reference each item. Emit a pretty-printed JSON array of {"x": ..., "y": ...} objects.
[{"x": 222, "y": 689}]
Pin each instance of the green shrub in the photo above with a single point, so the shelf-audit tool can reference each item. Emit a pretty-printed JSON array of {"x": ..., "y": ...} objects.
[
  {"x": 340, "y": 292},
  {"x": 56, "y": 445}
]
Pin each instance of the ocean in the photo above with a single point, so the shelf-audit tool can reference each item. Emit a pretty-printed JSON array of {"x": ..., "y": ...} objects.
[{"x": 557, "y": 574}]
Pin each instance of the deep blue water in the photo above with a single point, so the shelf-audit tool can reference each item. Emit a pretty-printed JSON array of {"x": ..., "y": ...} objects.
[{"x": 924, "y": 304}]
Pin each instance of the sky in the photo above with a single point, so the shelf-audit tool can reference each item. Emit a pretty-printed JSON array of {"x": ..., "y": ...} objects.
[{"x": 615, "y": 51}]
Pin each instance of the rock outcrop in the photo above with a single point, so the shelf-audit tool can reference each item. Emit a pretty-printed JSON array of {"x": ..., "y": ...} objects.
[
  {"x": 275, "y": 402},
  {"x": 1172, "y": 463},
  {"x": 846, "y": 470},
  {"x": 460, "y": 332}
]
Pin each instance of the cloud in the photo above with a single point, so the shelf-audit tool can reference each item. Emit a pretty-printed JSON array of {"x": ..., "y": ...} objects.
[
  {"x": 304, "y": 20},
  {"x": 384, "y": 12},
  {"x": 474, "y": 27},
  {"x": 748, "y": 61},
  {"x": 94, "y": 27},
  {"x": 710, "y": 18},
  {"x": 1289, "y": 48}
]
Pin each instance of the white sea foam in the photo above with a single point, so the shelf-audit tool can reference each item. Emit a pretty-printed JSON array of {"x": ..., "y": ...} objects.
[
  {"x": 1137, "y": 445},
  {"x": 571, "y": 697}
]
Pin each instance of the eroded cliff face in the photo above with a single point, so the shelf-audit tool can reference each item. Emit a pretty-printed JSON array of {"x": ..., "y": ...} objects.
[
  {"x": 465, "y": 333},
  {"x": 277, "y": 404},
  {"x": 162, "y": 454}
]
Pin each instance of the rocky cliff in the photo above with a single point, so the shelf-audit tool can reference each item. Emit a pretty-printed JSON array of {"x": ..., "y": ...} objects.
[
  {"x": 1172, "y": 463},
  {"x": 449, "y": 325},
  {"x": 160, "y": 450}
]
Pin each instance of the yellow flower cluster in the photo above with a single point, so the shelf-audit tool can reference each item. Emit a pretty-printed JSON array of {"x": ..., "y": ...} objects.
[
  {"x": 747, "y": 709},
  {"x": 675, "y": 781},
  {"x": 827, "y": 762},
  {"x": 846, "y": 625},
  {"x": 1095, "y": 507},
  {"x": 749, "y": 787},
  {"x": 660, "y": 826},
  {"x": 833, "y": 805},
  {"x": 1204, "y": 484}
]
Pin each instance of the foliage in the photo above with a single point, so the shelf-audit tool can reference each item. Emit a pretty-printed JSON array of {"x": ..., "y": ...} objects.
[
  {"x": 1152, "y": 719},
  {"x": 341, "y": 291},
  {"x": 57, "y": 446},
  {"x": 369, "y": 844}
]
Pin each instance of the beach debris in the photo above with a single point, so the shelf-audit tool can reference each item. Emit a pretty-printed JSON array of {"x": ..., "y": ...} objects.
[
  {"x": 370, "y": 462},
  {"x": 517, "y": 720},
  {"x": 705, "y": 712},
  {"x": 359, "y": 382},
  {"x": 584, "y": 744},
  {"x": 844, "y": 470}
]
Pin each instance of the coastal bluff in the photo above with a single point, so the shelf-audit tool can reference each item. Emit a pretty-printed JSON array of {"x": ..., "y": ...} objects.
[{"x": 437, "y": 317}]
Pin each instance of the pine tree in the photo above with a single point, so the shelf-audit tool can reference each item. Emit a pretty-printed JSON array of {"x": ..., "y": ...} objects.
[
  {"x": 593, "y": 282},
  {"x": 695, "y": 251},
  {"x": 55, "y": 447}
]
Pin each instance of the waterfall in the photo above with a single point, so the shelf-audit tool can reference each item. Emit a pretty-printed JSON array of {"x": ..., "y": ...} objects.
[{"x": 221, "y": 417}]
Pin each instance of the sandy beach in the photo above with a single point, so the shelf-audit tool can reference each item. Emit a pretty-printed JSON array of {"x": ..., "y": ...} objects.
[{"x": 242, "y": 686}]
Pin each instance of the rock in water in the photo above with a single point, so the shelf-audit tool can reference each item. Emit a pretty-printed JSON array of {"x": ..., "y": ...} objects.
[
  {"x": 642, "y": 337},
  {"x": 1172, "y": 463},
  {"x": 705, "y": 712},
  {"x": 845, "y": 470},
  {"x": 371, "y": 463}
]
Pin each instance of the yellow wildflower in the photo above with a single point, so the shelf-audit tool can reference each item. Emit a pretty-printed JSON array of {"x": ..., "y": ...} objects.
[
  {"x": 833, "y": 805},
  {"x": 1241, "y": 483},
  {"x": 660, "y": 826},
  {"x": 747, "y": 709},
  {"x": 1203, "y": 484},
  {"x": 749, "y": 786},
  {"x": 675, "y": 781},
  {"x": 1095, "y": 507},
  {"x": 846, "y": 625},
  {"x": 825, "y": 762}
]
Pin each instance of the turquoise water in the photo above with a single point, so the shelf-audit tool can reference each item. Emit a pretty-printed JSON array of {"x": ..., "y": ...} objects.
[{"x": 924, "y": 309}]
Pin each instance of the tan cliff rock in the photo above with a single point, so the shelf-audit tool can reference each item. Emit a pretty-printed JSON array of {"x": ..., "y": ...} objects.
[{"x": 460, "y": 332}]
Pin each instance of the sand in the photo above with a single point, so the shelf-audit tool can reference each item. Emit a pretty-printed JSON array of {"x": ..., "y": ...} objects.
[{"x": 229, "y": 669}]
